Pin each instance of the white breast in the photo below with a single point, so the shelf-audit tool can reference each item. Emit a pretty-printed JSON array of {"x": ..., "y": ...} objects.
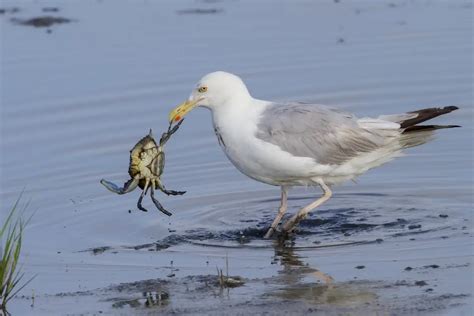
[{"x": 235, "y": 127}]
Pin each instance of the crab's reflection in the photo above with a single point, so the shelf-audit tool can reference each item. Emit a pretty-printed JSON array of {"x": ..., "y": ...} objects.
[{"x": 303, "y": 282}]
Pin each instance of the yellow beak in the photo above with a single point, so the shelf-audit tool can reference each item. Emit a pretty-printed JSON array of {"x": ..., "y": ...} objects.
[{"x": 181, "y": 110}]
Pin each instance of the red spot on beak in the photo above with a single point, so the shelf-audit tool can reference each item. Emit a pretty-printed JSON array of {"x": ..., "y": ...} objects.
[{"x": 177, "y": 118}]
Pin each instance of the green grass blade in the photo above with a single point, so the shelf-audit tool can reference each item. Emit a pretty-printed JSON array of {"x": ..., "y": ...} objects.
[
  {"x": 11, "y": 238},
  {"x": 10, "y": 216},
  {"x": 20, "y": 288}
]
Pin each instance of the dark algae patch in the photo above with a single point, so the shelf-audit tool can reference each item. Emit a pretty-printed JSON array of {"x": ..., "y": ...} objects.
[
  {"x": 148, "y": 299},
  {"x": 50, "y": 9},
  {"x": 11, "y": 10},
  {"x": 98, "y": 250},
  {"x": 41, "y": 21},
  {"x": 199, "y": 11},
  {"x": 432, "y": 266}
]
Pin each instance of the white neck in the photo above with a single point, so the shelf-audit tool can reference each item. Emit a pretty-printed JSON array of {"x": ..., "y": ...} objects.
[{"x": 238, "y": 113}]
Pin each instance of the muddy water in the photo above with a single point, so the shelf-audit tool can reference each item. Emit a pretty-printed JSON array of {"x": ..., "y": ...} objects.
[{"x": 77, "y": 97}]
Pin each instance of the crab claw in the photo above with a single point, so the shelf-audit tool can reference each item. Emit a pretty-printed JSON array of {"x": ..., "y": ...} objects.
[
  {"x": 128, "y": 187},
  {"x": 111, "y": 186},
  {"x": 172, "y": 129}
]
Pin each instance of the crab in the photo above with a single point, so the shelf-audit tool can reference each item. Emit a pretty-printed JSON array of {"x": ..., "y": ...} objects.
[{"x": 147, "y": 161}]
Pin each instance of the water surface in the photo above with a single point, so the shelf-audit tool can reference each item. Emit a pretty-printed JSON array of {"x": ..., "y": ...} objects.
[{"x": 76, "y": 99}]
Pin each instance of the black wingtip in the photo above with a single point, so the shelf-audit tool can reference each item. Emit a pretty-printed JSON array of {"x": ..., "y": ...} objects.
[
  {"x": 426, "y": 114},
  {"x": 450, "y": 108},
  {"x": 446, "y": 126}
]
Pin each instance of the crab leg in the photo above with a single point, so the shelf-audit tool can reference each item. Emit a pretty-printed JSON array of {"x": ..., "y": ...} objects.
[
  {"x": 145, "y": 189},
  {"x": 169, "y": 192},
  {"x": 130, "y": 185},
  {"x": 157, "y": 203},
  {"x": 173, "y": 192}
]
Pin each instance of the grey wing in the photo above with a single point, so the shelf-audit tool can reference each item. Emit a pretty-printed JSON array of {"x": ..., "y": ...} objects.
[{"x": 327, "y": 135}]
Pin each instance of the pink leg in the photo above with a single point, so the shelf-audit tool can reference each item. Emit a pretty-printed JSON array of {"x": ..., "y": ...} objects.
[{"x": 281, "y": 212}]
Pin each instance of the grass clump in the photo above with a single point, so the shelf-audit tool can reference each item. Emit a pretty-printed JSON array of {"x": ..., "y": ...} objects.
[
  {"x": 225, "y": 281},
  {"x": 11, "y": 276}
]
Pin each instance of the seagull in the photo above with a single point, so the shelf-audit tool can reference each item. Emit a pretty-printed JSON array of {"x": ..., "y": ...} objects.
[{"x": 302, "y": 144}]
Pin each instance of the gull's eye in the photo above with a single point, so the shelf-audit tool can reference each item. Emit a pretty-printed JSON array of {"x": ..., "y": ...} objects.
[{"x": 202, "y": 89}]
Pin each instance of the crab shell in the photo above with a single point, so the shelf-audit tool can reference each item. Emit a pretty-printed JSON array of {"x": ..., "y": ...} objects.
[{"x": 156, "y": 166}]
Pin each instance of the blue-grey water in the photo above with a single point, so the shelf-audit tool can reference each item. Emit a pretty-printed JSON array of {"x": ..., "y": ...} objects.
[{"x": 76, "y": 99}]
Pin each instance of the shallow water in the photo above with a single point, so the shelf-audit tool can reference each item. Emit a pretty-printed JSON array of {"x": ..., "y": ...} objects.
[{"x": 75, "y": 100}]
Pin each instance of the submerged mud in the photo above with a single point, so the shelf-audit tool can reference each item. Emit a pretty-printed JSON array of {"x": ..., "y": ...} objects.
[{"x": 325, "y": 228}]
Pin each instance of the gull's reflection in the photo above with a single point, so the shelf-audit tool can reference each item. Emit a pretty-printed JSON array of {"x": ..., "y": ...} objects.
[
  {"x": 300, "y": 281},
  {"x": 294, "y": 269}
]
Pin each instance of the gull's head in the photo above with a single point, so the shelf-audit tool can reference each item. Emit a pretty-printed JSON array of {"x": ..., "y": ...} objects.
[{"x": 212, "y": 91}]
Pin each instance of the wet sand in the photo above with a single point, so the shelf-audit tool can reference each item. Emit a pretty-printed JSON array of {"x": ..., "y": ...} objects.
[{"x": 75, "y": 99}]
